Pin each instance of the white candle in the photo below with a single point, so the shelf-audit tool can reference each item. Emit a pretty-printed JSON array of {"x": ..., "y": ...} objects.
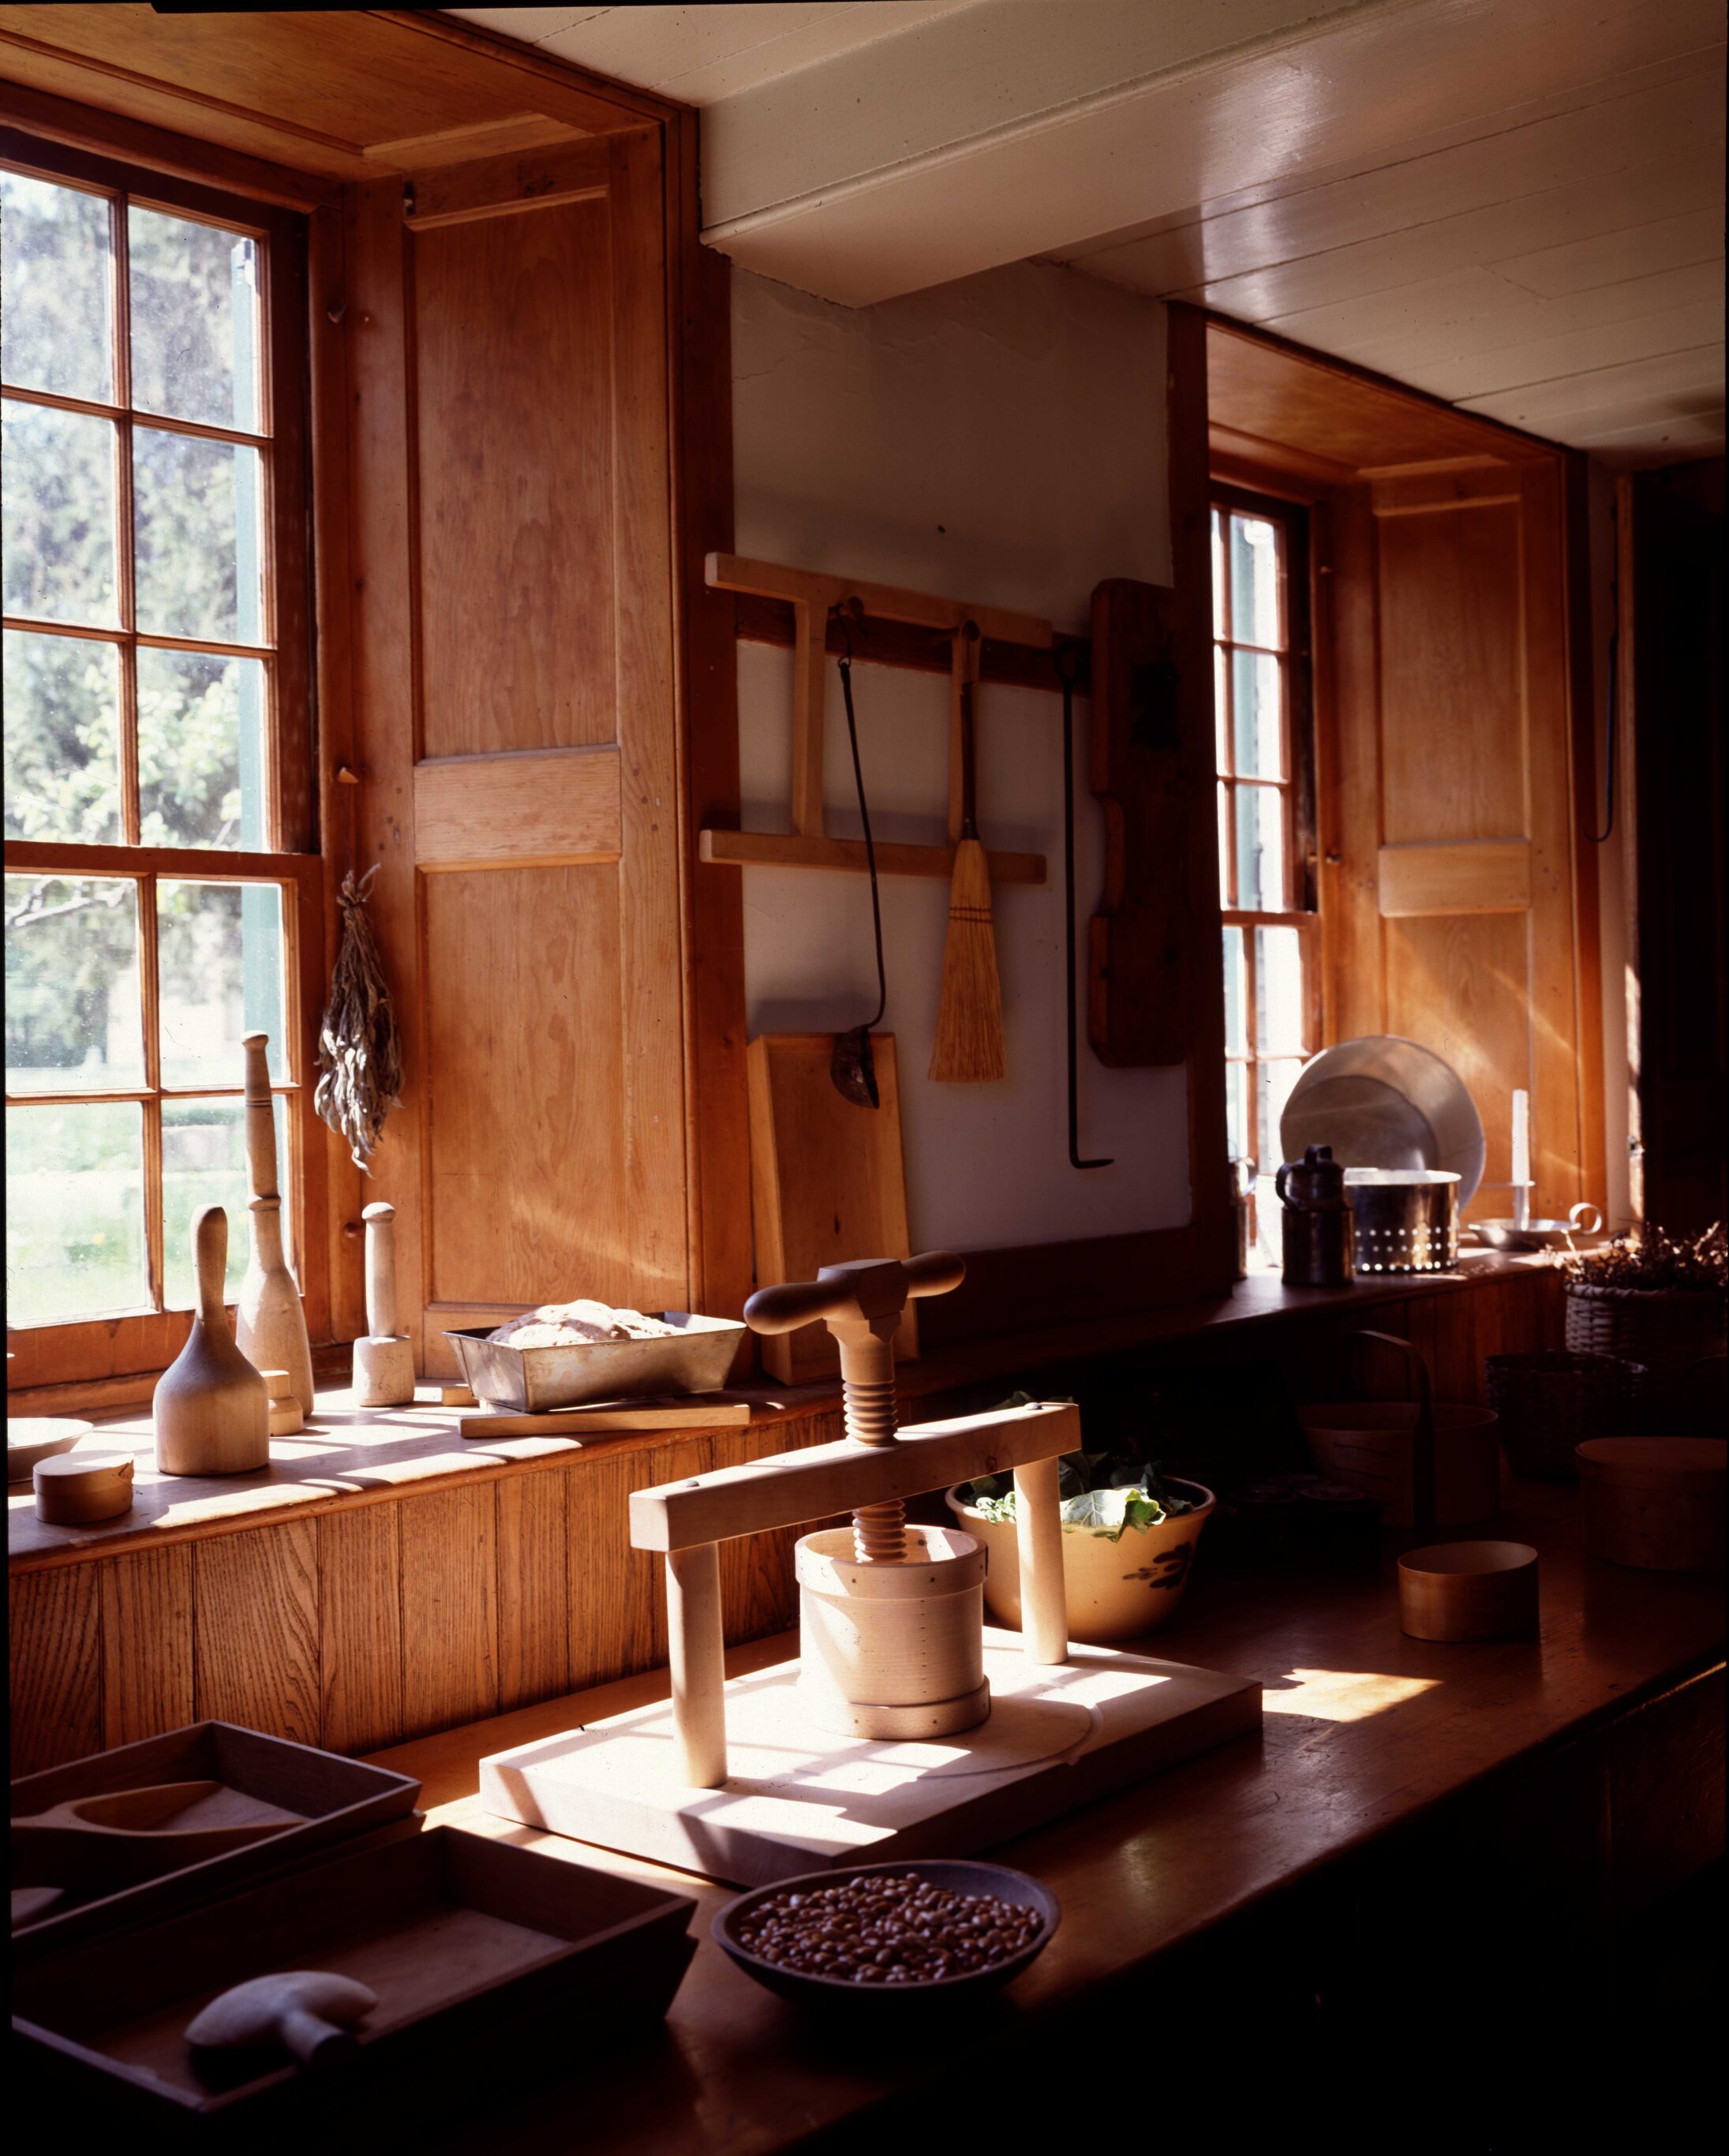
[{"x": 1522, "y": 1138}]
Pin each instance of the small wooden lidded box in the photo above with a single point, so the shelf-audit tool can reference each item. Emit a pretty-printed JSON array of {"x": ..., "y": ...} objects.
[{"x": 492, "y": 1964}]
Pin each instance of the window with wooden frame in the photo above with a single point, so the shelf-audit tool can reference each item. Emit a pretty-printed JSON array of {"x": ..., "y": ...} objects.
[
  {"x": 162, "y": 897},
  {"x": 1266, "y": 819}
]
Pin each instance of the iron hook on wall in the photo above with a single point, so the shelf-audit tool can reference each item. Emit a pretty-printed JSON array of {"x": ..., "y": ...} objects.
[{"x": 1065, "y": 659}]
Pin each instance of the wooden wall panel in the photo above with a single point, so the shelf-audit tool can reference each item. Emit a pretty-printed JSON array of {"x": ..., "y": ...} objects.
[
  {"x": 255, "y": 1629},
  {"x": 360, "y": 1621},
  {"x": 534, "y": 1657},
  {"x": 55, "y": 1654},
  {"x": 1445, "y": 746},
  {"x": 450, "y": 1589},
  {"x": 513, "y": 341},
  {"x": 515, "y": 579},
  {"x": 146, "y": 1644},
  {"x": 1451, "y": 755},
  {"x": 528, "y": 1175}
]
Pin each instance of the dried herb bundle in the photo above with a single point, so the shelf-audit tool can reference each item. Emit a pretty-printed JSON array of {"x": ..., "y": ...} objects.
[
  {"x": 1654, "y": 1259},
  {"x": 360, "y": 1050}
]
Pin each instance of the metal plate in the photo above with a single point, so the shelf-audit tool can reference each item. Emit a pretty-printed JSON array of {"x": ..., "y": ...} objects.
[
  {"x": 1385, "y": 1103},
  {"x": 532, "y": 1379}
]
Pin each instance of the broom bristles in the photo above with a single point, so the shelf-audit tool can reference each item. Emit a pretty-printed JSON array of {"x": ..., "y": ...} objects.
[{"x": 969, "y": 1018}]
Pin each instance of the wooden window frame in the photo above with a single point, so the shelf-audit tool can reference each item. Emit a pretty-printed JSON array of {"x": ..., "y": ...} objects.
[
  {"x": 79, "y": 1353},
  {"x": 1302, "y": 912}
]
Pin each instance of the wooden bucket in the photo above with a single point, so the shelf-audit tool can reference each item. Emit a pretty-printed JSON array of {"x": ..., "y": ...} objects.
[
  {"x": 894, "y": 1650},
  {"x": 1430, "y": 1465}
]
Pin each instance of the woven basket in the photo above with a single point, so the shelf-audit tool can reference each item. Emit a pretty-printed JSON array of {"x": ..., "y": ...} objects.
[
  {"x": 1549, "y": 1404},
  {"x": 1667, "y": 1329}
]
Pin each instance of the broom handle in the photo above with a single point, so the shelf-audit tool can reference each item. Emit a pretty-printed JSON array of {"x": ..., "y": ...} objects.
[{"x": 969, "y": 772}]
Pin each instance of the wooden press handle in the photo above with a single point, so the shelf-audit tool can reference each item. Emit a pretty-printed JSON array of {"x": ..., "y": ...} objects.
[
  {"x": 784, "y": 1308},
  {"x": 210, "y": 1261},
  {"x": 381, "y": 1270},
  {"x": 260, "y": 1117}
]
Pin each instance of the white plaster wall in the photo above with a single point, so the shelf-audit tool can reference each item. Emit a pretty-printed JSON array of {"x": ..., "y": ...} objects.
[{"x": 1000, "y": 439}]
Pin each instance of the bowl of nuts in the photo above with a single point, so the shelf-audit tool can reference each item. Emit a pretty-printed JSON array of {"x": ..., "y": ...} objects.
[{"x": 922, "y": 1929}]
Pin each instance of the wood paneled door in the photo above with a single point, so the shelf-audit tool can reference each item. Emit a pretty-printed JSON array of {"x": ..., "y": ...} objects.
[
  {"x": 1452, "y": 894},
  {"x": 513, "y": 581}
]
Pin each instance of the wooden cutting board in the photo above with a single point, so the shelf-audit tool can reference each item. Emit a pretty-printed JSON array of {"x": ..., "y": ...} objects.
[{"x": 827, "y": 1183}]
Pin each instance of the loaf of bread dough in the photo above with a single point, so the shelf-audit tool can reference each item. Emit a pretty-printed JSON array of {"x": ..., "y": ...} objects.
[{"x": 569, "y": 1324}]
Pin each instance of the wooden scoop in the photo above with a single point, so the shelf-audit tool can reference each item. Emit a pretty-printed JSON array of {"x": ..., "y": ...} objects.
[
  {"x": 305, "y": 2011},
  {"x": 126, "y": 1835}
]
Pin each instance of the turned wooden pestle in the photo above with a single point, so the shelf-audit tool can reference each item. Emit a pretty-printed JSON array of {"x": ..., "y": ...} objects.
[
  {"x": 384, "y": 1360},
  {"x": 211, "y": 1409},
  {"x": 269, "y": 1319}
]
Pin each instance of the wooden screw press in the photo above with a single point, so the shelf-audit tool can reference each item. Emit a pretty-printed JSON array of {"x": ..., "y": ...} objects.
[{"x": 871, "y": 1471}]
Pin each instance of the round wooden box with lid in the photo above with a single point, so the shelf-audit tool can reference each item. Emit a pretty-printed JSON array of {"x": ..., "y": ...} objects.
[{"x": 1656, "y": 1502}]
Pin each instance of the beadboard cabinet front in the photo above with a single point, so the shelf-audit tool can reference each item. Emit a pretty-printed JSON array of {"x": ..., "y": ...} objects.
[{"x": 513, "y": 582}]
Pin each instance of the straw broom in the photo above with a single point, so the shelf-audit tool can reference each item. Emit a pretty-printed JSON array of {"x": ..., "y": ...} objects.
[{"x": 969, "y": 1018}]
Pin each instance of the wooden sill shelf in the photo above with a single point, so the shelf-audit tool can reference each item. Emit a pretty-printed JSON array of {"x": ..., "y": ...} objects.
[{"x": 353, "y": 1456}]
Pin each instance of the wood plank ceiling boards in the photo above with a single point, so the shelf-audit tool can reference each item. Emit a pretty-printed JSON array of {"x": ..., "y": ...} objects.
[{"x": 1516, "y": 205}]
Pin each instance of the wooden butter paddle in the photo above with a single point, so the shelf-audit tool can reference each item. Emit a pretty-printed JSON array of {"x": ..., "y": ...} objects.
[{"x": 969, "y": 1018}]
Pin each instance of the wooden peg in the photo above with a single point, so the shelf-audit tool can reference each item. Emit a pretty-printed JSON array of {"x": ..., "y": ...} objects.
[
  {"x": 269, "y": 1319},
  {"x": 384, "y": 1360},
  {"x": 211, "y": 1409},
  {"x": 286, "y": 1416}
]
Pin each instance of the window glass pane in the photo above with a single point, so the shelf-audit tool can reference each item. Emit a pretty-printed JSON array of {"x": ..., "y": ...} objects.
[
  {"x": 1236, "y": 1109},
  {"x": 195, "y": 319},
  {"x": 1257, "y": 730},
  {"x": 204, "y": 1163},
  {"x": 1220, "y": 625},
  {"x": 74, "y": 1212},
  {"x": 1221, "y": 709},
  {"x": 201, "y": 749},
  {"x": 73, "y": 1020},
  {"x": 220, "y": 954},
  {"x": 196, "y": 532},
  {"x": 1260, "y": 849},
  {"x": 1224, "y": 845},
  {"x": 1236, "y": 1000},
  {"x": 56, "y": 288},
  {"x": 62, "y": 738},
  {"x": 1254, "y": 581},
  {"x": 1275, "y": 1079},
  {"x": 1279, "y": 992},
  {"x": 60, "y": 518}
]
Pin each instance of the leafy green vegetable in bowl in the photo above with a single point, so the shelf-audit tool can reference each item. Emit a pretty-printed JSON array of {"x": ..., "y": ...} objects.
[{"x": 1106, "y": 1492}]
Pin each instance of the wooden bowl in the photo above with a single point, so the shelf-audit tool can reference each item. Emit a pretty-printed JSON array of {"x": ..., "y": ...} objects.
[
  {"x": 31, "y": 1438},
  {"x": 1484, "y": 1590},
  {"x": 833, "y": 1991}
]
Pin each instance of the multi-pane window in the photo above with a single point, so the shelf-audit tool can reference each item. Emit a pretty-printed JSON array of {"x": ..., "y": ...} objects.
[
  {"x": 155, "y": 668},
  {"x": 1261, "y": 702}
]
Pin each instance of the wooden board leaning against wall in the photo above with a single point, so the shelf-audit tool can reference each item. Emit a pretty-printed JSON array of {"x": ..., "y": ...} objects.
[{"x": 1458, "y": 889}]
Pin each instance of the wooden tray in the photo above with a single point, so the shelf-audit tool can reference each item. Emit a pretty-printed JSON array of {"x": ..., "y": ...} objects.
[
  {"x": 332, "y": 1798},
  {"x": 491, "y": 1963}
]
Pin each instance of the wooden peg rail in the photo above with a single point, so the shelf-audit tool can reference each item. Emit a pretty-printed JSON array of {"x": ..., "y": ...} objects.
[{"x": 794, "y": 607}]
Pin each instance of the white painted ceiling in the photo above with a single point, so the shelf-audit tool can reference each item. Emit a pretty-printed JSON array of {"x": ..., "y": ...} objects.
[{"x": 1517, "y": 205}]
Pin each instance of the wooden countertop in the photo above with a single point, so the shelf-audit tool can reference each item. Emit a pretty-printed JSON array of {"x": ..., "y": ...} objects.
[
  {"x": 352, "y": 1455},
  {"x": 1364, "y": 1729}
]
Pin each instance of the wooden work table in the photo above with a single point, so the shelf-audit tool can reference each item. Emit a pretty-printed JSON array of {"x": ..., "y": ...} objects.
[{"x": 1367, "y": 1733}]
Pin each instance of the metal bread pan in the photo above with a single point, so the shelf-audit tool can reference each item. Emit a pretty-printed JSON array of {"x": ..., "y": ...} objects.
[{"x": 532, "y": 1379}]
